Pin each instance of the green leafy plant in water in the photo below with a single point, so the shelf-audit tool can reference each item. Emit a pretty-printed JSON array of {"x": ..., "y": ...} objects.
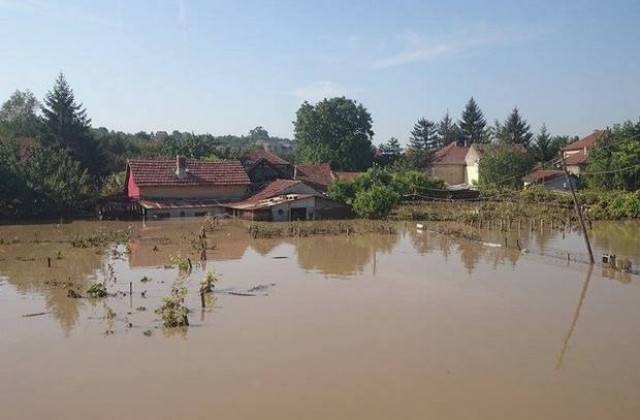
[
  {"x": 183, "y": 263},
  {"x": 208, "y": 282},
  {"x": 97, "y": 290},
  {"x": 172, "y": 309}
]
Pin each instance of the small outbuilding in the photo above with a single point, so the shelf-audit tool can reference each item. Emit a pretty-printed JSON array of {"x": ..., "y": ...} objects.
[{"x": 285, "y": 200}]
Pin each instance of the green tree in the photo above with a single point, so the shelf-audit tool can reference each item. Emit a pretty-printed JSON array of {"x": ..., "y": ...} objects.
[
  {"x": 503, "y": 165},
  {"x": 614, "y": 160},
  {"x": 337, "y": 131},
  {"x": 20, "y": 116},
  {"x": 423, "y": 142},
  {"x": 375, "y": 202},
  {"x": 57, "y": 183},
  {"x": 12, "y": 184},
  {"x": 388, "y": 153},
  {"x": 472, "y": 125},
  {"x": 447, "y": 130},
  {"x": 541, "y": 150},
  {"x": 68, "y": 126},
  {"x": 259, "y": 133},
  {"x": 515, "y": 130}
]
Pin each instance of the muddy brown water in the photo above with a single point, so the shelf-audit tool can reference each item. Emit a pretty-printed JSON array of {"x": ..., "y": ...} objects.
[{"x": 412, "y": 326}]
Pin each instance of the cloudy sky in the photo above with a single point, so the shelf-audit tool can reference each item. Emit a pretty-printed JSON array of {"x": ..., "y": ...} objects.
[{"x": 224, "y": 67}]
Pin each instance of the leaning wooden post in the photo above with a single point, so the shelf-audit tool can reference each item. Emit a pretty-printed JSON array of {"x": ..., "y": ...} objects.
[{"x": 578, "y": 209}]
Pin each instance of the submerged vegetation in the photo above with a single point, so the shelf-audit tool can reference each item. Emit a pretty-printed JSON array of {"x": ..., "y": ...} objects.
[
  {"x": 172, "y": 309},
  {"x": 326, "y": 227}
]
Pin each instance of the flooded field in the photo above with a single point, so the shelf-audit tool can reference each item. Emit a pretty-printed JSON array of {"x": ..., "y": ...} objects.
[{"x": 413, "y": 325}]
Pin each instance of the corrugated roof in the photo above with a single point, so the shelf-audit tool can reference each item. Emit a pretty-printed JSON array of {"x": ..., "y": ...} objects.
[
  {"x": 148, "y": 173},
  {"x": 257, "y": 155},
  {"x": 273, "y": 189},
  {"x": 585, "y": 142},
  {"x": 451, "y": 154}
]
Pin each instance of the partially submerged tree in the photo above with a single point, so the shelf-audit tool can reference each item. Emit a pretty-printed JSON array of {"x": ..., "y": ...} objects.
[{"x": 337, "y": 131}]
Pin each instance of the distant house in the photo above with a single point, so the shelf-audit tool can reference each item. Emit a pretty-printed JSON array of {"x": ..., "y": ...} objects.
[
  {"x": 286, "y": 200},
  {"x": 263, "y": 166},
  {"x": 182, "y": 187},
  {"x": 449, "y": 164},
  {"x": 318, "y": 176},
  {"x": 553, "y": 179},
  {"x": 576, "y": 154}
]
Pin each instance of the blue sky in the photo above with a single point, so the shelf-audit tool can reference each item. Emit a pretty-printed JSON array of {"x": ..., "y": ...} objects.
[{"x": 224, "y": 67}]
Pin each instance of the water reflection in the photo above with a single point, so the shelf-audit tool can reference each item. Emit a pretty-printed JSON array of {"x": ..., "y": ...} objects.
[
  {"x": 342, "y": 255},
  {"x": 576, "y": 316},
  {"x": 24, "y": 252}
]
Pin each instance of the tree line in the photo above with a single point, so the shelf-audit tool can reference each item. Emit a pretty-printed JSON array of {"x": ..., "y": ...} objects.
[{"x": 53, "y": 162}]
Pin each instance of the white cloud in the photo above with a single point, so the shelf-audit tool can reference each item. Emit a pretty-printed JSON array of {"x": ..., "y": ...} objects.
[
  {"x": 422, "y": 49},
  {"x": 318, "y": 91}
]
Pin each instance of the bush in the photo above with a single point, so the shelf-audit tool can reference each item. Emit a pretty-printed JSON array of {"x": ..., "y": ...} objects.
[{"x": 375, "y": 202}]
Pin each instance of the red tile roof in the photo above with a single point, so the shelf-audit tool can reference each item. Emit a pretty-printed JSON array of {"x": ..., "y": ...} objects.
[
  {"x": 541, "y": 175},
  {"x": 198, "y": 172},
  {"x": 317, "y": 175},
  {"x": 585, "y": 142},
  {"x": 257, "y": 155},
  {"x": 579, "y": 158},
  {"x": 451, "y": 154}
]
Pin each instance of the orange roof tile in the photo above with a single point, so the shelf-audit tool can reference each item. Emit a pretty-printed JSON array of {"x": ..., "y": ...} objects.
[
  {"x": 585, "y": 142},
  {"x": 198, "y": 172}
]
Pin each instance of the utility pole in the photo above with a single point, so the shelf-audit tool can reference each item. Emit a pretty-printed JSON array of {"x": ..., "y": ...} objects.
[{"x": 578, "y": 208}]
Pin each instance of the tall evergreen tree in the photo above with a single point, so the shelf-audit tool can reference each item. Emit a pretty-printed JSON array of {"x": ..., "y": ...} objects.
[
  {"x": 423, "y": 141},
  {"x": 424, "y": 135},
  {"x": 472, "y": 125},
  {"x": 447, "y": 130},
  {"x": 68, "y": 126},
  {"x": 542, "y": 149},
  {"x": 516, "y": 130}
]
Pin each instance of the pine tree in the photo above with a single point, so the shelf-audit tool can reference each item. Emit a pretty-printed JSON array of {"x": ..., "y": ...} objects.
[
  {"x": 516, "y": 130},
  {"x": 542, "y": 149},
  {"x": 447, "y": 131},
  {"x": 472, "y": 125},
  {"x": 424, "y": 136},
  {"x": 423, "y": 141},
  {"x": 68, "y": 126}
]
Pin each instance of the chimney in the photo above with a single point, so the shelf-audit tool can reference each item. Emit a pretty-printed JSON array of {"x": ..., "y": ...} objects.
[{"x": 181, "y": 166}]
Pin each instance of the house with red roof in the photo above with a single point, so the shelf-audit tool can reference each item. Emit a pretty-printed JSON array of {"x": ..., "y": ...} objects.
[
  {"x": 263, "y": 166},
  {"x": 184, "y": 187},
  {"x": 576, "y": 154},
  {"x": 448, "y": 164},
  {"x": 285, "y": 200}
]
